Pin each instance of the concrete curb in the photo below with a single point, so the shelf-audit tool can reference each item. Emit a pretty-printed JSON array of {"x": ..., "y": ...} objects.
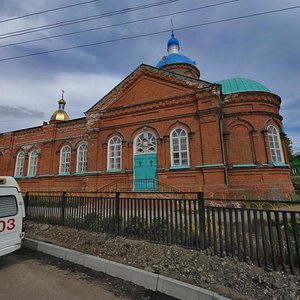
[{"x": 148, "y": 280}]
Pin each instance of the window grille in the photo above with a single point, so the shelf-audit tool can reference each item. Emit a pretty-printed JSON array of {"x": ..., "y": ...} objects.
[
  {"x": 65, "y": 160},
  {"x": 20, "y": 164},
  {"x": 33, "y": 162},
  {"x": 82, "y": 154},
  {"x": 275, "y": 144},
  {"x": 114, "y": 153},
  {"x": 179, "y": 147}
]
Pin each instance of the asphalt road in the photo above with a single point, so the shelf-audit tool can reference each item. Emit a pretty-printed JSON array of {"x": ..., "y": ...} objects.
[
  {"x": 27, "y": 274},
  {"x": 24, "y": 276}
]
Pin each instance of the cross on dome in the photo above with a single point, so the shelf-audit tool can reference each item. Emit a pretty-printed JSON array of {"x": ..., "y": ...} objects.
[
  {"x": 60, "y": 114},
  {"x": 173, "y": 43}
]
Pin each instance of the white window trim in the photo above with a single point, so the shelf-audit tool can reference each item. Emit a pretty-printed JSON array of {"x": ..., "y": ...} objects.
[
  {"x": 60, "y": 160},
  {"x": 18, "y": 164},
  {"x": 109, "y": 154},
  {"x": 187, "y": 149},
  {"x": 147, "y": 152},
  {"x": 31, "y": 161},
  {"x": 85, "y": 161},
  {"x": 279, "y": 143}
]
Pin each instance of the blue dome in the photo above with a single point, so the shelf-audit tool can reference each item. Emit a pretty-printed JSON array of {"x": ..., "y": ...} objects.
[
  {"x": 239, "y": 85},
  {"x": 174, "y": 58},
  {"x": 173, "y": 41}
]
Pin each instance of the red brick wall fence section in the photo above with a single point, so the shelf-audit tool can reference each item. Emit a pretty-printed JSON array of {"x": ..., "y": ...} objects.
[{"x": 267, "y": 232}]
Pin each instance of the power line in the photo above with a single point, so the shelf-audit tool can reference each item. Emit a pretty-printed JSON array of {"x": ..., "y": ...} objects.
[
  {"x": 23, "y": 120},
  {"x": 46, "y": 11},
  {"x": 83, "y": 19},
  {"x": 118, "y": 24},
  {"x": 150, "y": 34}
]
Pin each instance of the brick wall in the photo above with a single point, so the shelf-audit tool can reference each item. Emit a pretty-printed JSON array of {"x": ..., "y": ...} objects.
[{"x": 222, "y": 133}]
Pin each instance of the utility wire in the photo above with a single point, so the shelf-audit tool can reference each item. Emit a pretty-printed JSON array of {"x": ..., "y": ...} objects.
[
  {"x": 46, "y": 11},
  {"x": 23, "y": 120},
  {"x": 118, "y": 24},
  {"x": 151, "y": 34},
  {"x": 83, "y": 19}
]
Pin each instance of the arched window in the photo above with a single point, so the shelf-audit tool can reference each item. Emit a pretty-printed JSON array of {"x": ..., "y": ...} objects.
[
  {"x": 275, "y": 144},
  {"x": 82, "y": 153},
  {"x": 179, "y": 148},
  {"x": 20, "y": 164},
  {"x": 114, "y": 153},
  {"x": 65, "y": 160},
  {"x": 145, "y": 143},
  {"x": 33, "y": 162}
]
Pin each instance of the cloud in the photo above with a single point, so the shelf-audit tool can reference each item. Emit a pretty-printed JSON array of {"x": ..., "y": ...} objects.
[
  {"x": 19, "y": 112},
  {"x": 263, "y": 48},
  {"x": 37, "y": 104}
]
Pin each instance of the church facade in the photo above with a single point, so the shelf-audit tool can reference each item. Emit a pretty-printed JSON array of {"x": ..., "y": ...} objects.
[{"x": 161, "y": 128}]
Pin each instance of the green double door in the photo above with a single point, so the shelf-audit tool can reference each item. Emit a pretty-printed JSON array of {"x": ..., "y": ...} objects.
[{"x": 145, "y": 172}]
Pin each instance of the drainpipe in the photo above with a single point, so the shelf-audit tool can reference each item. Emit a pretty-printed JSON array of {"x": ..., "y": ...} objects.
[{"x": 221, "y": 116}]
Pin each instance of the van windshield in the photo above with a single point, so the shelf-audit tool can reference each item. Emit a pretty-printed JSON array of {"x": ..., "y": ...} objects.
[{"x": 8, "y": 206}]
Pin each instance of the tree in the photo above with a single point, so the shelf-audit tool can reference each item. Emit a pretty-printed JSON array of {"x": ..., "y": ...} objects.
[{"x": 289, "y": 147}]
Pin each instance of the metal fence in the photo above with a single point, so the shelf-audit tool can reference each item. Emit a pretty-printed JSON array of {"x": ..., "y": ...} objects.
[{"x": 265, "y": 232}]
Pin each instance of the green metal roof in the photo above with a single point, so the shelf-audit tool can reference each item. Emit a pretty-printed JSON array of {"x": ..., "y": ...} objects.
[{"x": 239, "y": 85}]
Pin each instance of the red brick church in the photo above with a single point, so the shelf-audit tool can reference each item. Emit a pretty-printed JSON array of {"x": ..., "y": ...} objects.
[{"x": 161, "y": 127}]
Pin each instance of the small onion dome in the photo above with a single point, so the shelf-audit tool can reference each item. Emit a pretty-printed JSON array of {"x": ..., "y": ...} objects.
[
  {"x": 177, "y": 62},
  {"x": 172, "y": 41},
  {"x": 240, "y": 85},
  {"x": 60, "y": 115},
  {"x": 62, "y": 102}
]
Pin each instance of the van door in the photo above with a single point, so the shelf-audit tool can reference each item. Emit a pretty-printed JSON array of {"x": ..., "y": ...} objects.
[{"x": 11, "y": 216}]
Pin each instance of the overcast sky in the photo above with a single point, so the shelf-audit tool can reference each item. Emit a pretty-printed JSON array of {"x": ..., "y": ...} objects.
[{"x": 263, "y": 48}]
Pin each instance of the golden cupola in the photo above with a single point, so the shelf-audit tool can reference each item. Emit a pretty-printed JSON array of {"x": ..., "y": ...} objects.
[{"x": 60, "y": 115}]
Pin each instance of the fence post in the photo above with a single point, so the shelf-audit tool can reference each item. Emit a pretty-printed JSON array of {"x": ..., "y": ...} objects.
[
  {"x": 200, "y": 197},
  {"x": 63, "y": 206},
  {"x": 117, "y": 213}
]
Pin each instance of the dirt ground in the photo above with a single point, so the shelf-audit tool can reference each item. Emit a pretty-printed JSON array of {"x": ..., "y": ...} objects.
[{"x": 226, "y": 276}]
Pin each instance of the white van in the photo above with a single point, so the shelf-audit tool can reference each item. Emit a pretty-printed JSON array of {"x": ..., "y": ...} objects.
[{"x": 12, "y": 215}]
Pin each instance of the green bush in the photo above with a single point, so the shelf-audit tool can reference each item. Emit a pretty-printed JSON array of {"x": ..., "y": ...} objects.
[
  {"x": 73, "y": 222},
  {"x": 54, "y": 201},
  {"x": 135, "y": 226},
  {"x": 109, "y": 224},
  {"x": 159, "y": 229},
  {"x": 290, "y": 226},
  {"x": 91, "y": 221}
]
